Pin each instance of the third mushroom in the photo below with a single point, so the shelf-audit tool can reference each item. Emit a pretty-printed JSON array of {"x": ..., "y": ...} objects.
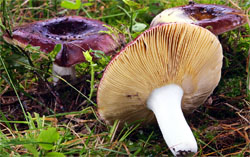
[
  {"x": 217, "y": 18},
  {"x": 168, "y": 71}
]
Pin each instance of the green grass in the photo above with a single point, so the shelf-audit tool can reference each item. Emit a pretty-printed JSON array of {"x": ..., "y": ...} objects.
[{"x": 31, "y": 109}]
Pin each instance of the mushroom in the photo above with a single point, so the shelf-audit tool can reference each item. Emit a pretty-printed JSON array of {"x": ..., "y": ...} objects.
[
  {"x": 75, "y": 33},
  {"x": 217, "y": 18},
  {"x": 170, "y": 69}
]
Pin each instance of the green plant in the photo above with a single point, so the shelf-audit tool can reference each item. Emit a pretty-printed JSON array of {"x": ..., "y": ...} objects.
[
  {"x": 89, "y": 58},
  {"x": 71, "y": 5}
]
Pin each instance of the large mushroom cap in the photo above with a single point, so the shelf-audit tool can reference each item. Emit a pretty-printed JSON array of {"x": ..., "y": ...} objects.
[
  {"x": 75, "y": 33},
  {"x": 217, "y": 18},
  {"x": 176, "y": 53}
]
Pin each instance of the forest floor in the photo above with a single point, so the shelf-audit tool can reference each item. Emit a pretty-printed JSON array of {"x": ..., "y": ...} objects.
[{"x": 39, "y": 119}]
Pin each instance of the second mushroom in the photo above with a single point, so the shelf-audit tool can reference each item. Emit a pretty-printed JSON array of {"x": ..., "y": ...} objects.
[
  {"x": 76, "y": 34},
  {"x": 167, "y": 71}
]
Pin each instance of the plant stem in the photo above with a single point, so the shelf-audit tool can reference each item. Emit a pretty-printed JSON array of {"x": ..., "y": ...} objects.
[{"x": 92, "y": 81}]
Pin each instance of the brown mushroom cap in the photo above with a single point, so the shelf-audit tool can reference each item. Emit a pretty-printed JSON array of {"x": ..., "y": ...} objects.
[
  {"x": 217, "y": 18},
  {"x": 76, "y": 34},
  {"x": 175, "y": 53}
]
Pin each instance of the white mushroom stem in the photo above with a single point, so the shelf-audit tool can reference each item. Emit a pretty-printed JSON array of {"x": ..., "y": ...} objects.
[
  {"x": 165, "y": 102},
  {"x": 62, "y": 71}
]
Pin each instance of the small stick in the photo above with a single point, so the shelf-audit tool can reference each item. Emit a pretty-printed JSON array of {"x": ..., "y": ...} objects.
[{"x": 231, "y": 106}]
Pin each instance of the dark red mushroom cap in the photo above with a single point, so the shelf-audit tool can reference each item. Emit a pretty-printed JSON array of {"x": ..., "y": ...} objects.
[
  {"x": 76, "y": 34},
  {"x": 217, "y": 18}
]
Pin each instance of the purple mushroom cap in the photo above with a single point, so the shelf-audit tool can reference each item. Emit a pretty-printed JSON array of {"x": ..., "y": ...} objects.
[
  {"x": 75, "y": 33},
  {"x": 216, "y": 18}
]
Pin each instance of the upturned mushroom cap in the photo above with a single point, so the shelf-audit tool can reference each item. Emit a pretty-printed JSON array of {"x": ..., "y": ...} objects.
[
  {"x": 217, "y": 18},
  {"x": 75, "y": 33},
  {"x": 168, "y": 70},
  {"x": 177, "y": 53}
]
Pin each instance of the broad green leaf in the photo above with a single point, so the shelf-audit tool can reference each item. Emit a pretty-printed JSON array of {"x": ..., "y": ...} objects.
[
  {"x": 49, "y": 137},
  {"x": 138, "y": 27},
  {"x": 54, "y": 154},
  {"x": 31, "y": 149},
  {"x": 71, "y": 5}
]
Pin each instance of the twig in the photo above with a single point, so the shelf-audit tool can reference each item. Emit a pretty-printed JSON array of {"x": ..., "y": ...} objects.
[
  {"x": 5, "y": 89},
  {"x": 209, "y": 154},
  {"x": 234, "y": 4},
  {"x": 231, "y": 106},
  {"x": 244, "y": 118},
  {"x": 78, "y": 95},
  {"x": 8, "y": 130},
  {"x": 126, "y": 148},
  {"x": 210, "y": 117}
]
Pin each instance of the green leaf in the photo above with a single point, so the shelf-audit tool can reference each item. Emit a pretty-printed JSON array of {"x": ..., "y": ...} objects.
[
  {"x": 34, "y": 56},
  {"x": 16, "y": 59},
  {"x": 31, "y": 149},
  {"x": 3, "y": 118},
  {"x": 248, "y": 3},
  {"x": 131, "y": 3},
  {"x": 1, "y": 24},
  {"x": 87, "y": 4},
  {"x": 87, "y": 56},
  {"x": 55, "y": 154},
  {"x": 39, "y": 121},
  {"x": 32, "y": 49},
  {"x": 98, "y": 53},
  {"x": 71, "y": 5},
  {"x": 49, "y": 136},
  {"x": 55, "y": 51},
  {"x": 138, "y": 27}
]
